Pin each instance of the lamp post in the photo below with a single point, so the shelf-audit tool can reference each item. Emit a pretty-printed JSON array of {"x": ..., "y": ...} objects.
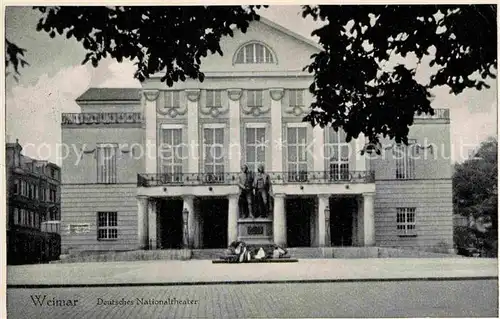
[
  {"x": 185, "y": 215},
  {"x": 327, "y": 227}
]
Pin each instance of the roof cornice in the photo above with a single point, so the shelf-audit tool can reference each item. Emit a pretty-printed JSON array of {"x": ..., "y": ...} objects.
[{"x": 290, "y": 33}]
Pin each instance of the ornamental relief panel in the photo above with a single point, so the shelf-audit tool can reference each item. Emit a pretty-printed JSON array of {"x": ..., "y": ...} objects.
[
  {"x": 101, "y": 118},
  {"x": 296, "y": 109},
  {"x": 172, "y": 104},
  {"x": 214, "y": 104},
  {"x": 255, "y": 103}
]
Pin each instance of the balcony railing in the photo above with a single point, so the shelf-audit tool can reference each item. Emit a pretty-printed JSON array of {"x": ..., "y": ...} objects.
[
  {"x": 439, "y": 114},
  {"x": 101, "y": 118},
  {"x": 52, "y": 226},
  {"x": 301, "y": 177}
]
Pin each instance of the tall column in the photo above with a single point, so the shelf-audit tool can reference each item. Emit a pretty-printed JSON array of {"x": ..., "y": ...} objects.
[
  {"x": 276, "y": 130},
  {"x": 142, "y": 222},
  {"x": 322, "y": 218},
  {"x": 152, "y": 223},
  {"x": 279, "y": 220},
  {"x": 151, "y": 130},
  {"x": 234, "y": 130},
  {"x": 355, "y": 228},
  {"x": 314, "y": 226},
  {"x": 360, "y": 222},
  {"x": 369, "y": 219},
  {"x": 319, "y": 149},
  {"x": 360, "y": 159},
  {"x": 193, "y": 97},
  {"x": 189, "y": 205},
  {"x": 197, "y": 226},
  {"x": 232, "y": 219}
]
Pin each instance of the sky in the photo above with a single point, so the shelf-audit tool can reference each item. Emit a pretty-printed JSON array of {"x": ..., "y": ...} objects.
[{"x": 55, "y": 78}]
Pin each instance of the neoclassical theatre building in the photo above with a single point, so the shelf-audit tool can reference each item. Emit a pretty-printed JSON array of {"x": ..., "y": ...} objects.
[{"x": 158, "y": 167}]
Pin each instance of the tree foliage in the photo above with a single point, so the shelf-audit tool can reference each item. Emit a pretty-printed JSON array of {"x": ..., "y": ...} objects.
[
  {"x": 475, "y": 182},
  {"x": 352, "y": 88},
  {"x": 14, "y": 59},
  {"x": 171, "y": 39},
  {"x": 475, "y": 191}
]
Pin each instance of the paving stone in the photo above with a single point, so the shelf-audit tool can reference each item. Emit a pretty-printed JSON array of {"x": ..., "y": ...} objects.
[{"x": 354, "y": 299}]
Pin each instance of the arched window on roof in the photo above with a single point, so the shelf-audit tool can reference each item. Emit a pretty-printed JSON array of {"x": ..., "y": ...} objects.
[{"x": 254, "y": 52}]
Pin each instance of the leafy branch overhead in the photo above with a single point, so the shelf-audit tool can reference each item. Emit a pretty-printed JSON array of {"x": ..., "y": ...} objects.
[
  {"x": 14, "y": 59},
  {"x": 353, "y": 90},
  {"x": 352, "y": 87},
  {"x": 171, "y": 39}
]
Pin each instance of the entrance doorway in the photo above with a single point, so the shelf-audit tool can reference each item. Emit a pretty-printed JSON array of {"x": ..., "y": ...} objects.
[
  {"x": 170, "y": 223},
  {"x": 213, "y": 213},
  {"x": 341, "y": 220},
  {"x": 298, "y": 220}
]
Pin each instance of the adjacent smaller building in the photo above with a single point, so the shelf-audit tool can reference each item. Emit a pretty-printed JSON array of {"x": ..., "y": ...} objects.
[{"x": 33, "y": 208}]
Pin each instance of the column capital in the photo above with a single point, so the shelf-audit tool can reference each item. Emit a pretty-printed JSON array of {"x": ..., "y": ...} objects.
[
  {"x": 234, "y": 94},
  {"x": 279, "y": 195},
  {"x": 193, "y": 95},
  {"x": 151, "y": 202},
  {"x": 142, "y": 197},
  {"x": 323, "y": 196},
  {"x": 372, "y": 194},
  {"x": 188, "y": 197},
  {"x": 151, "y": 95},
  {"x": 276, "y": 93},
  {"x": 233, "y": 196}
]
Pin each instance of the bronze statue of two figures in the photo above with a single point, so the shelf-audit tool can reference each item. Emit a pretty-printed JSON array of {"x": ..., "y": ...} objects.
[{"x": 255, "y": 189}]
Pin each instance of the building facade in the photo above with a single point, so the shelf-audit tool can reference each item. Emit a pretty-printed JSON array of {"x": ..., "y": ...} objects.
[
  {"x": 33, "y": 208},
  {"x": 158, "y": 167}
]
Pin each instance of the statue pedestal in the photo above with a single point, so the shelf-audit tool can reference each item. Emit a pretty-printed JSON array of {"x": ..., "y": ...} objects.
[{"x": 257, "y": 231}]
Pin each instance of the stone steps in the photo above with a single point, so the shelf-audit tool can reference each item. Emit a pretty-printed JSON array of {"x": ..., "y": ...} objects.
[
  {"x": 207, "y": 254},
  {"x": 212, "y": 254}
]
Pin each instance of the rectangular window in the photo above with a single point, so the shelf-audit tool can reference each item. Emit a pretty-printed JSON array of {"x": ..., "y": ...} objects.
[
  {"x": 405, "y": 160},
  {"x": 255, "y": 98},
  {"x": 24, "y": 219},
  {"x": 214, "y": 98},
  {"x": 52, "y": 195},
  {"x": 31, "y": 219},
  {"x": 16, "y": 187},
  {"x": 21, "y": 217},
  {"x": 43, "y": 194},
  {"x": 405, "y": 221},
  {"x": 53, "y": 173},
  {"x": 296, "y": 98},
  {"x": 297, "y": 154},
  {"x": 37, "y": 220},
  {"x": 337, "y": 151},
  {"x": 213, "y": 146},
  {"x": 23, "y": 188},
  {"x": 171, "y": 155},
  {"x": 15, "y": 217},
  {"x": 106, "y": 163},
  {"x": 172, "y": 99},
  {"x": 107, "y": 225},
  {"x": 256, "y": 145}
]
